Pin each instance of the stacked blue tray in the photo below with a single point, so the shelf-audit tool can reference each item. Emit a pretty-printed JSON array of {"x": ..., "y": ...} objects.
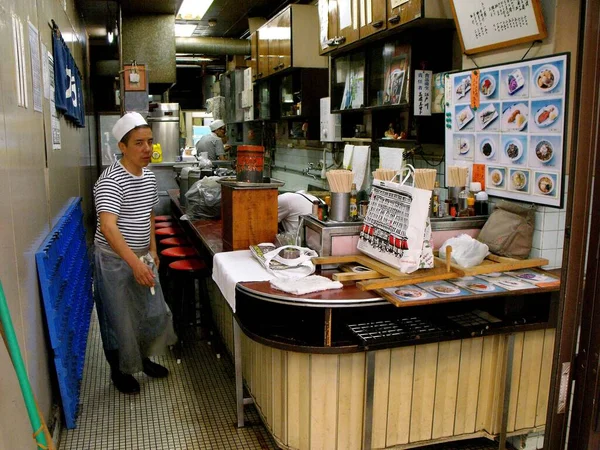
[{"x": 65, "y": 275}]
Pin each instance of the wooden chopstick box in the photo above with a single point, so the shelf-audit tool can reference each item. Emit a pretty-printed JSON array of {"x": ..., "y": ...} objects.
[{"x": 249, "y": 213}]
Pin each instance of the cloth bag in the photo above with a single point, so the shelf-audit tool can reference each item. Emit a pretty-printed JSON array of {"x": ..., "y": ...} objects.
[
  {"x": 394, "y": 229},
  {"x": 286, "y": 268},
  {"x": 509, "y": 230}
]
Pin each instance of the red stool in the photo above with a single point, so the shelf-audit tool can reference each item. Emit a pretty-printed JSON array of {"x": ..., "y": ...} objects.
[
  {"x": 162, "y": 218},
  {"x": 184, "y": 274},
  {"x": 162, "y": 225},
  {"x": 169, "y": 231},
  {"x": 179, "y": 252},
  {"x": 175, "y": 242}
]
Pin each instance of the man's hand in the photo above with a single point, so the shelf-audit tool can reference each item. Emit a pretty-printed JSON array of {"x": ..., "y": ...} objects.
[{"x": 143, "y": 274}]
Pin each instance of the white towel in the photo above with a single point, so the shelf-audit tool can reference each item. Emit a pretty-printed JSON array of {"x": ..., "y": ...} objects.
[
  {"x": 390, "y": 158},
  {"x": 361, "y": 166},
  {"x": 347, "y": 163},
  {"x": 229, "y": 268},
  {"x": 313, "y": 283}
]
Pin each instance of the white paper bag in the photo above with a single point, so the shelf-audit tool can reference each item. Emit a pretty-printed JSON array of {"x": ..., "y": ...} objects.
[{"x": 394, "y": 228}]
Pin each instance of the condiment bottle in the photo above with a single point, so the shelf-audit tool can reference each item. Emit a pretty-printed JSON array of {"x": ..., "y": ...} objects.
[
  {"x": 474, "y": 187},
  {"x": 315, "y": 208},
  {"x": 435, "y": 200},
  {"x": 462, "y": 203},
  {"x": 481, "y": 204},
  {"x": 353, "y": 206}
]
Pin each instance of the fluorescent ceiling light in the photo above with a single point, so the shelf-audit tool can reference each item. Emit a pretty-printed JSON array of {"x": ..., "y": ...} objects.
[
  {"x": 193, "y": 9},
  {"x": 184, "y": 29}
]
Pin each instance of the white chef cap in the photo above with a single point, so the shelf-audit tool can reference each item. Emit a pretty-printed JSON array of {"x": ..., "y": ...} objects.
[
  {"x": 214, "y": 126},
  {"x": 127, "y": 123}
]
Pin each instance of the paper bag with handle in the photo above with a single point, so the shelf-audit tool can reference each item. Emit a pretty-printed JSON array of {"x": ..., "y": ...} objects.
[{"x": 394, "y": 227}]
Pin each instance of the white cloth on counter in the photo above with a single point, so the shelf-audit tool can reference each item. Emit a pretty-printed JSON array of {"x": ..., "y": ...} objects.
[
  {"x": 361, "y": 166},
  {"x": 347, "y": 162},
  {"x": 230, "y": 268},
  {"x": 390, "y": 158},
  {"x": 313, "y": 283}
]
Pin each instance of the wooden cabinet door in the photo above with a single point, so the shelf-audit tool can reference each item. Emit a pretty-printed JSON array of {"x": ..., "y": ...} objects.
[
  {"x": 324, "y": 24},
  {"x": 285, "y": 39},
  {"x": 273, "y": 38},
  {"x": 372, "y": 17},
  {"x": 262, "y": 69},
  {"x": 348, "y": 22},
  {"x": 401, "y": 14},
  {"x": 254, "y": 54}
]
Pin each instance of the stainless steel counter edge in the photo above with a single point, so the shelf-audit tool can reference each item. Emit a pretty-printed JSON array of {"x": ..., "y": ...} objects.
[{"x": 310, "y": 302}]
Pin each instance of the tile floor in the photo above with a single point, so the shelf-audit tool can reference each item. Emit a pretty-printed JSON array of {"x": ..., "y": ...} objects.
[{"x": 193, "y": 408}]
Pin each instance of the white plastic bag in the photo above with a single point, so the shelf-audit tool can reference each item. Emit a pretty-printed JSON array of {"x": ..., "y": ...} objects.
[{"x": 466, "y": 251}]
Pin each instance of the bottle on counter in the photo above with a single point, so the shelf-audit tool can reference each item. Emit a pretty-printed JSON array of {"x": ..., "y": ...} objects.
[
  {"x": 481, "y": 204},
  {"x": 463, "y": 206},
  {"x": 353, "y": 206},
  {"x": 315, "y": 208},
  {"x": 435, "y": 200}
]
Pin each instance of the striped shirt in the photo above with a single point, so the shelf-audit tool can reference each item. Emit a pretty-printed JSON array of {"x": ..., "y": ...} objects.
[{"x": 129, "y": 197}]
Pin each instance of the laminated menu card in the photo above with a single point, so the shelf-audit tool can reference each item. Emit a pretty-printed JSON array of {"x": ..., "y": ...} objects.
[
  {"x": 443, "y": 289},
  {"x": 476, "y": 285},
  {"x": 507, "y": 282},
  {"x": 409, "y": 293},
  {"x": 534, "y": 277}
]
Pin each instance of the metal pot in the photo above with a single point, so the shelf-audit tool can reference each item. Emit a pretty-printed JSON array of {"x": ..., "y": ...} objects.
[{"x": 177, "y": 169}]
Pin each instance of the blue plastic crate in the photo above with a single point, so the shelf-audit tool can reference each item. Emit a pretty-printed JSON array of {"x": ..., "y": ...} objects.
[{"x": 65, "y": 275}]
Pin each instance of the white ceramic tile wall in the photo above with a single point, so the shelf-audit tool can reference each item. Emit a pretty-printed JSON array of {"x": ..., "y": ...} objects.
[{"x": 549, "y": 234}]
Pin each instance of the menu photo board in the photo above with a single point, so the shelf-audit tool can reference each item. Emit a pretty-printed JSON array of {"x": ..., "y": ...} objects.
[
  {"x": 517, "y": 131},
  {"x": 491, "y": 24}
]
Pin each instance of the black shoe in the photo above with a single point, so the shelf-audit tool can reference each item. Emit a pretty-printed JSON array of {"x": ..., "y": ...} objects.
[
  {"x": 154, "y": 370},
  {"x": 124, "y": 382}
]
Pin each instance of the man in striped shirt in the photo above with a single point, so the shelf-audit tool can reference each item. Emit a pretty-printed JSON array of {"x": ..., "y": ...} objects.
[{"x": 134, "y": 319}]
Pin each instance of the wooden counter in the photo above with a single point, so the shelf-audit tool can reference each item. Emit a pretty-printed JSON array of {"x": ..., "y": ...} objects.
[{"x": 349, "y": 395}]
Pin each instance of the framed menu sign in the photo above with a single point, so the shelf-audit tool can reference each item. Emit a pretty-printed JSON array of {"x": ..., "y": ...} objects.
[
  {"x": 518, "y": 130},
  {"x": 490, "y": 24}
]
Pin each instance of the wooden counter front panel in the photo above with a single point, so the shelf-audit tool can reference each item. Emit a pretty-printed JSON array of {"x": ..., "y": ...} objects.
[
  {"x": 425, "y": 393},
  {"x": 249, "y": 217}
]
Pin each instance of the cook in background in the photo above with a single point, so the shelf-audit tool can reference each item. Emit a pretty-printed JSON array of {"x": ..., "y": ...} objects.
[
  {"x": 214, "y": 143},
  {"x": 292, "y": 205}
]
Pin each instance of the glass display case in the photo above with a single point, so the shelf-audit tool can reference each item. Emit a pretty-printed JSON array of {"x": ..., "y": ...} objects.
[
  {"x": 262, "y": 93},
  {"x": 389, "y": 74},
  {"x": 348, "y": 82}
]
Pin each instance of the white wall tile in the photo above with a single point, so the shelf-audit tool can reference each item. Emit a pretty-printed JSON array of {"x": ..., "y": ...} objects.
[
  {"x": 549, "y": 239},
  {"x": 551, "y": 220},
  {"x": 562, "y": 218},
  {"x": 537, "y": 239},
  {"x": 550, "y": 255},
  {"x": 560, "y": 238},
  {"x": 535, "y": 253},
  {"x": 539, "y": 220}
]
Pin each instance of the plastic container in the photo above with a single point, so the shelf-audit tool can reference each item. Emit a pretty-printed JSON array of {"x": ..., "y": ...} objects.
[{"x": 250, "y": 163}]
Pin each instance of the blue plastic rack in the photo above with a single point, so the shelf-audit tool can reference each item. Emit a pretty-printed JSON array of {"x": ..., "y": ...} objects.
[{"x": 65, "y": 275}]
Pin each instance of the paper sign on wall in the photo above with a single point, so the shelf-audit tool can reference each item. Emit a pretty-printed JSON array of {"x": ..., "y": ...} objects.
[{"x": 422, "y": 100}]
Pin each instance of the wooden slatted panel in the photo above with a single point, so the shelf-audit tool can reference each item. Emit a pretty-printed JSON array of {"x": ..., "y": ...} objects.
[
  {"x": 351, "y": 401},
  {"x": 468, "y": 385},
  {"x": 256, "y": 373},
  {"x": 298, "y": 408},
  {"x": 423, "y": 392},
  {"x": 380, "y": 398},
  {"x": 267, "y": 385},
  {"x": 247, "y": 360},
  {"x": 278, "y": 404},
  {"x": 445, "y": 389},
  {"x": 323, "y": 401},
  {"x": 546, "y": 373},
  {"x": 499, "y": 380},
  {"x": 402, "y": 367},
  {"x": 529, "y": 383},
  {"x": 516, "y": 377},
  {"x": 490, "y": 359}
]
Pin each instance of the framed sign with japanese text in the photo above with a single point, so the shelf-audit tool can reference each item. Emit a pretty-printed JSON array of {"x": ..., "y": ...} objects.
[
  {"x": 490, "y": 24},
  {"x": 517, "y": 128}
]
